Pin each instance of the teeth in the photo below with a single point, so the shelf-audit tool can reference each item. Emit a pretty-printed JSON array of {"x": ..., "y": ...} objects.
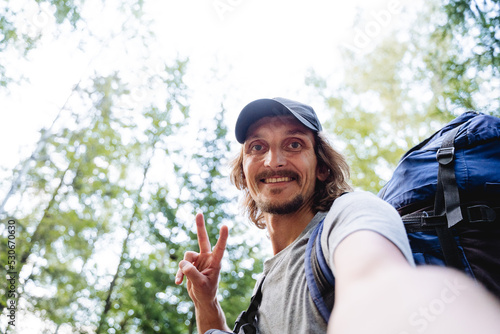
[{"x": 277, "y": 179}]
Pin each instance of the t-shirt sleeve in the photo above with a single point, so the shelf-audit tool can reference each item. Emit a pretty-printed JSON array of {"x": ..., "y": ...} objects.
[{"x": 361, "y": 210}]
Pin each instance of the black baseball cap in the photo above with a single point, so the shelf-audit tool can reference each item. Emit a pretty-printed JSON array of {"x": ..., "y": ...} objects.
[{"x": 277, "y": 106}]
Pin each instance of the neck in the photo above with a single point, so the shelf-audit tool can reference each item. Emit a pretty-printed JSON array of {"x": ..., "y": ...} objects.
[{"x": 284, "y": 229}]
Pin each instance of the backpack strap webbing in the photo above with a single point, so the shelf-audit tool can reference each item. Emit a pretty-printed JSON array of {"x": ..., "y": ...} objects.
[
  {"x": 319, "y": 277},
  {"x": 447, "y": 200},
  {"x": 245, "y": 323},
  {"x": 474, "y": 213}
]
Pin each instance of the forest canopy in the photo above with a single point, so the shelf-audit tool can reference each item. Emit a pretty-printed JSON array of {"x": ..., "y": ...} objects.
[{"x": 104, "y": 200}]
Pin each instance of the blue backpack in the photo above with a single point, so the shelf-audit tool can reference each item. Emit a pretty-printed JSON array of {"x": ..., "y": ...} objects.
[{"x": 447, "y": 191}]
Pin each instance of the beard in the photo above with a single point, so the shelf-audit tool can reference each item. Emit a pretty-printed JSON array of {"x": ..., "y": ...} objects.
[{"x": 282, "y": 208}]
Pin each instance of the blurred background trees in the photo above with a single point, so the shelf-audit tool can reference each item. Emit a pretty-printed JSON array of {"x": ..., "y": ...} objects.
[
  {"x": 105, "y": 203},
  {"x": 400, "y": 86}
]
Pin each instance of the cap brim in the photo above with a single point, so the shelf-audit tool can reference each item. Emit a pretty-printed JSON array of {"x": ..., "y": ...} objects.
[{"x": 258, "y": 109}]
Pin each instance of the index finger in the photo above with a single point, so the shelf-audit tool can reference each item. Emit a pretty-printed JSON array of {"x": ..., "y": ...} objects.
[{"x": 203, "y": 240}]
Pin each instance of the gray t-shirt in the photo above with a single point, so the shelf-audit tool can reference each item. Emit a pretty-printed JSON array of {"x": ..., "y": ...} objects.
[{"x": 286, "y": 305}]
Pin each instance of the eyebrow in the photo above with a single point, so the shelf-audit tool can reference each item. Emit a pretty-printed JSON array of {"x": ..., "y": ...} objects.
[
  {"x": 296, "y": 132},
  {"x": 292, "y": 132}
]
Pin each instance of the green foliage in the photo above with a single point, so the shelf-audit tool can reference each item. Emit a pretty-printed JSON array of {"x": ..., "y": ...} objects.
[
  {"x": 73, "y": 176},
  {"x": 407, "y": 87},
  {"x": 145, "y": 298},
  {"x": 104, "y": 204},
  {"x": 136, "y": 300},
  {"x": 66, "y": 10},
  {"x": 99, "y": 248},
  {"x": 23, "y": 27},
  {"x": 479, "y": 20},
  {"x": 463, "y": 55}
]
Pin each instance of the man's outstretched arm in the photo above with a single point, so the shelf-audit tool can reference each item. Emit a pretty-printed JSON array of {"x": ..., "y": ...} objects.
[
  {"x": 202, "y": 271},
  {"x": 377, "y": 292}
]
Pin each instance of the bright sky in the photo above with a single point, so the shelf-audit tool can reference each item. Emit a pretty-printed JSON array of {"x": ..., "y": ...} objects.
[{"x": 259, "y": 48}]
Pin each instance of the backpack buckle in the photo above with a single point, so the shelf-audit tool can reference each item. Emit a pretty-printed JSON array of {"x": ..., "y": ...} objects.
[
  {"x": 481, "y": 214},
  {"x": 445, "y": 155}
]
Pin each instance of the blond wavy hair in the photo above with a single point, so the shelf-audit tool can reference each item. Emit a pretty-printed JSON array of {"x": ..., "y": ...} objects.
[{"x": 325, "y": 191}]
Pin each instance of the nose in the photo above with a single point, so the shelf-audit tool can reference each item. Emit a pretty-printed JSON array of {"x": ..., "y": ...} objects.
[{"x": 275, "y": 158}]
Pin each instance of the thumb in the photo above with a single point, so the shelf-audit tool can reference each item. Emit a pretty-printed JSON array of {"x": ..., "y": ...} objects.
[{"x": 190, "y": 271}]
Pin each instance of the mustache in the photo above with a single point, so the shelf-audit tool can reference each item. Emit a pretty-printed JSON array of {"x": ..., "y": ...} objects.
[{"x": 281, "y": 173}]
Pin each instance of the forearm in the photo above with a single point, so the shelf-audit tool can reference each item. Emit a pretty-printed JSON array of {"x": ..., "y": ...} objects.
[
  {"x": 377, "y": 292},
  {"x": 210, "y": 316},
  {"x": 430, "y": 300}
]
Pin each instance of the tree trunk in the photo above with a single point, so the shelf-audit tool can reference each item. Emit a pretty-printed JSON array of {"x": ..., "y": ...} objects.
[{"x": 107, "y": 304}]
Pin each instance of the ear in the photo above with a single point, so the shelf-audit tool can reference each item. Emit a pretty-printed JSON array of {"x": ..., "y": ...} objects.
[{"x": 322, "y": 173}]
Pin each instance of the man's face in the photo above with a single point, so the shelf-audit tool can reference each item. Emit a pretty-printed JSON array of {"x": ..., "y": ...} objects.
[{"x": 280, "y": 165}]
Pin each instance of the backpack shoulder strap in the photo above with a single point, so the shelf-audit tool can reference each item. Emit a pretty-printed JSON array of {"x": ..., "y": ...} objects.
[
  {"x": 245, "y": 323},
  {"x": 320, "y": 279}
]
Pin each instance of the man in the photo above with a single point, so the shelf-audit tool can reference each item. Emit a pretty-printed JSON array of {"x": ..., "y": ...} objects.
[{"x": 292, "y": 179}]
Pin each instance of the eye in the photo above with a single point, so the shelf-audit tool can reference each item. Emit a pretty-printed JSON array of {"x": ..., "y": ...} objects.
[
  {"x": 295, "y": 145},
  {"x": 257, "y": 147}
]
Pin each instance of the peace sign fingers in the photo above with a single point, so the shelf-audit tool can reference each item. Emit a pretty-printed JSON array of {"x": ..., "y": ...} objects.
[
  {"x": 201, "y": 230},
  {"x": 205, "y": 264},
  {"x": 220, "y": 246}
]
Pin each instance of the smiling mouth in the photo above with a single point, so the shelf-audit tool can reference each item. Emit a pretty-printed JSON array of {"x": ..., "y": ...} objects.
[{"x": 277, "y": 179}]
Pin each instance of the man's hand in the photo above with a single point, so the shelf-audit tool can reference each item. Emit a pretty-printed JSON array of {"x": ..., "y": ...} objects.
[{"x": 202, "y": 269}]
